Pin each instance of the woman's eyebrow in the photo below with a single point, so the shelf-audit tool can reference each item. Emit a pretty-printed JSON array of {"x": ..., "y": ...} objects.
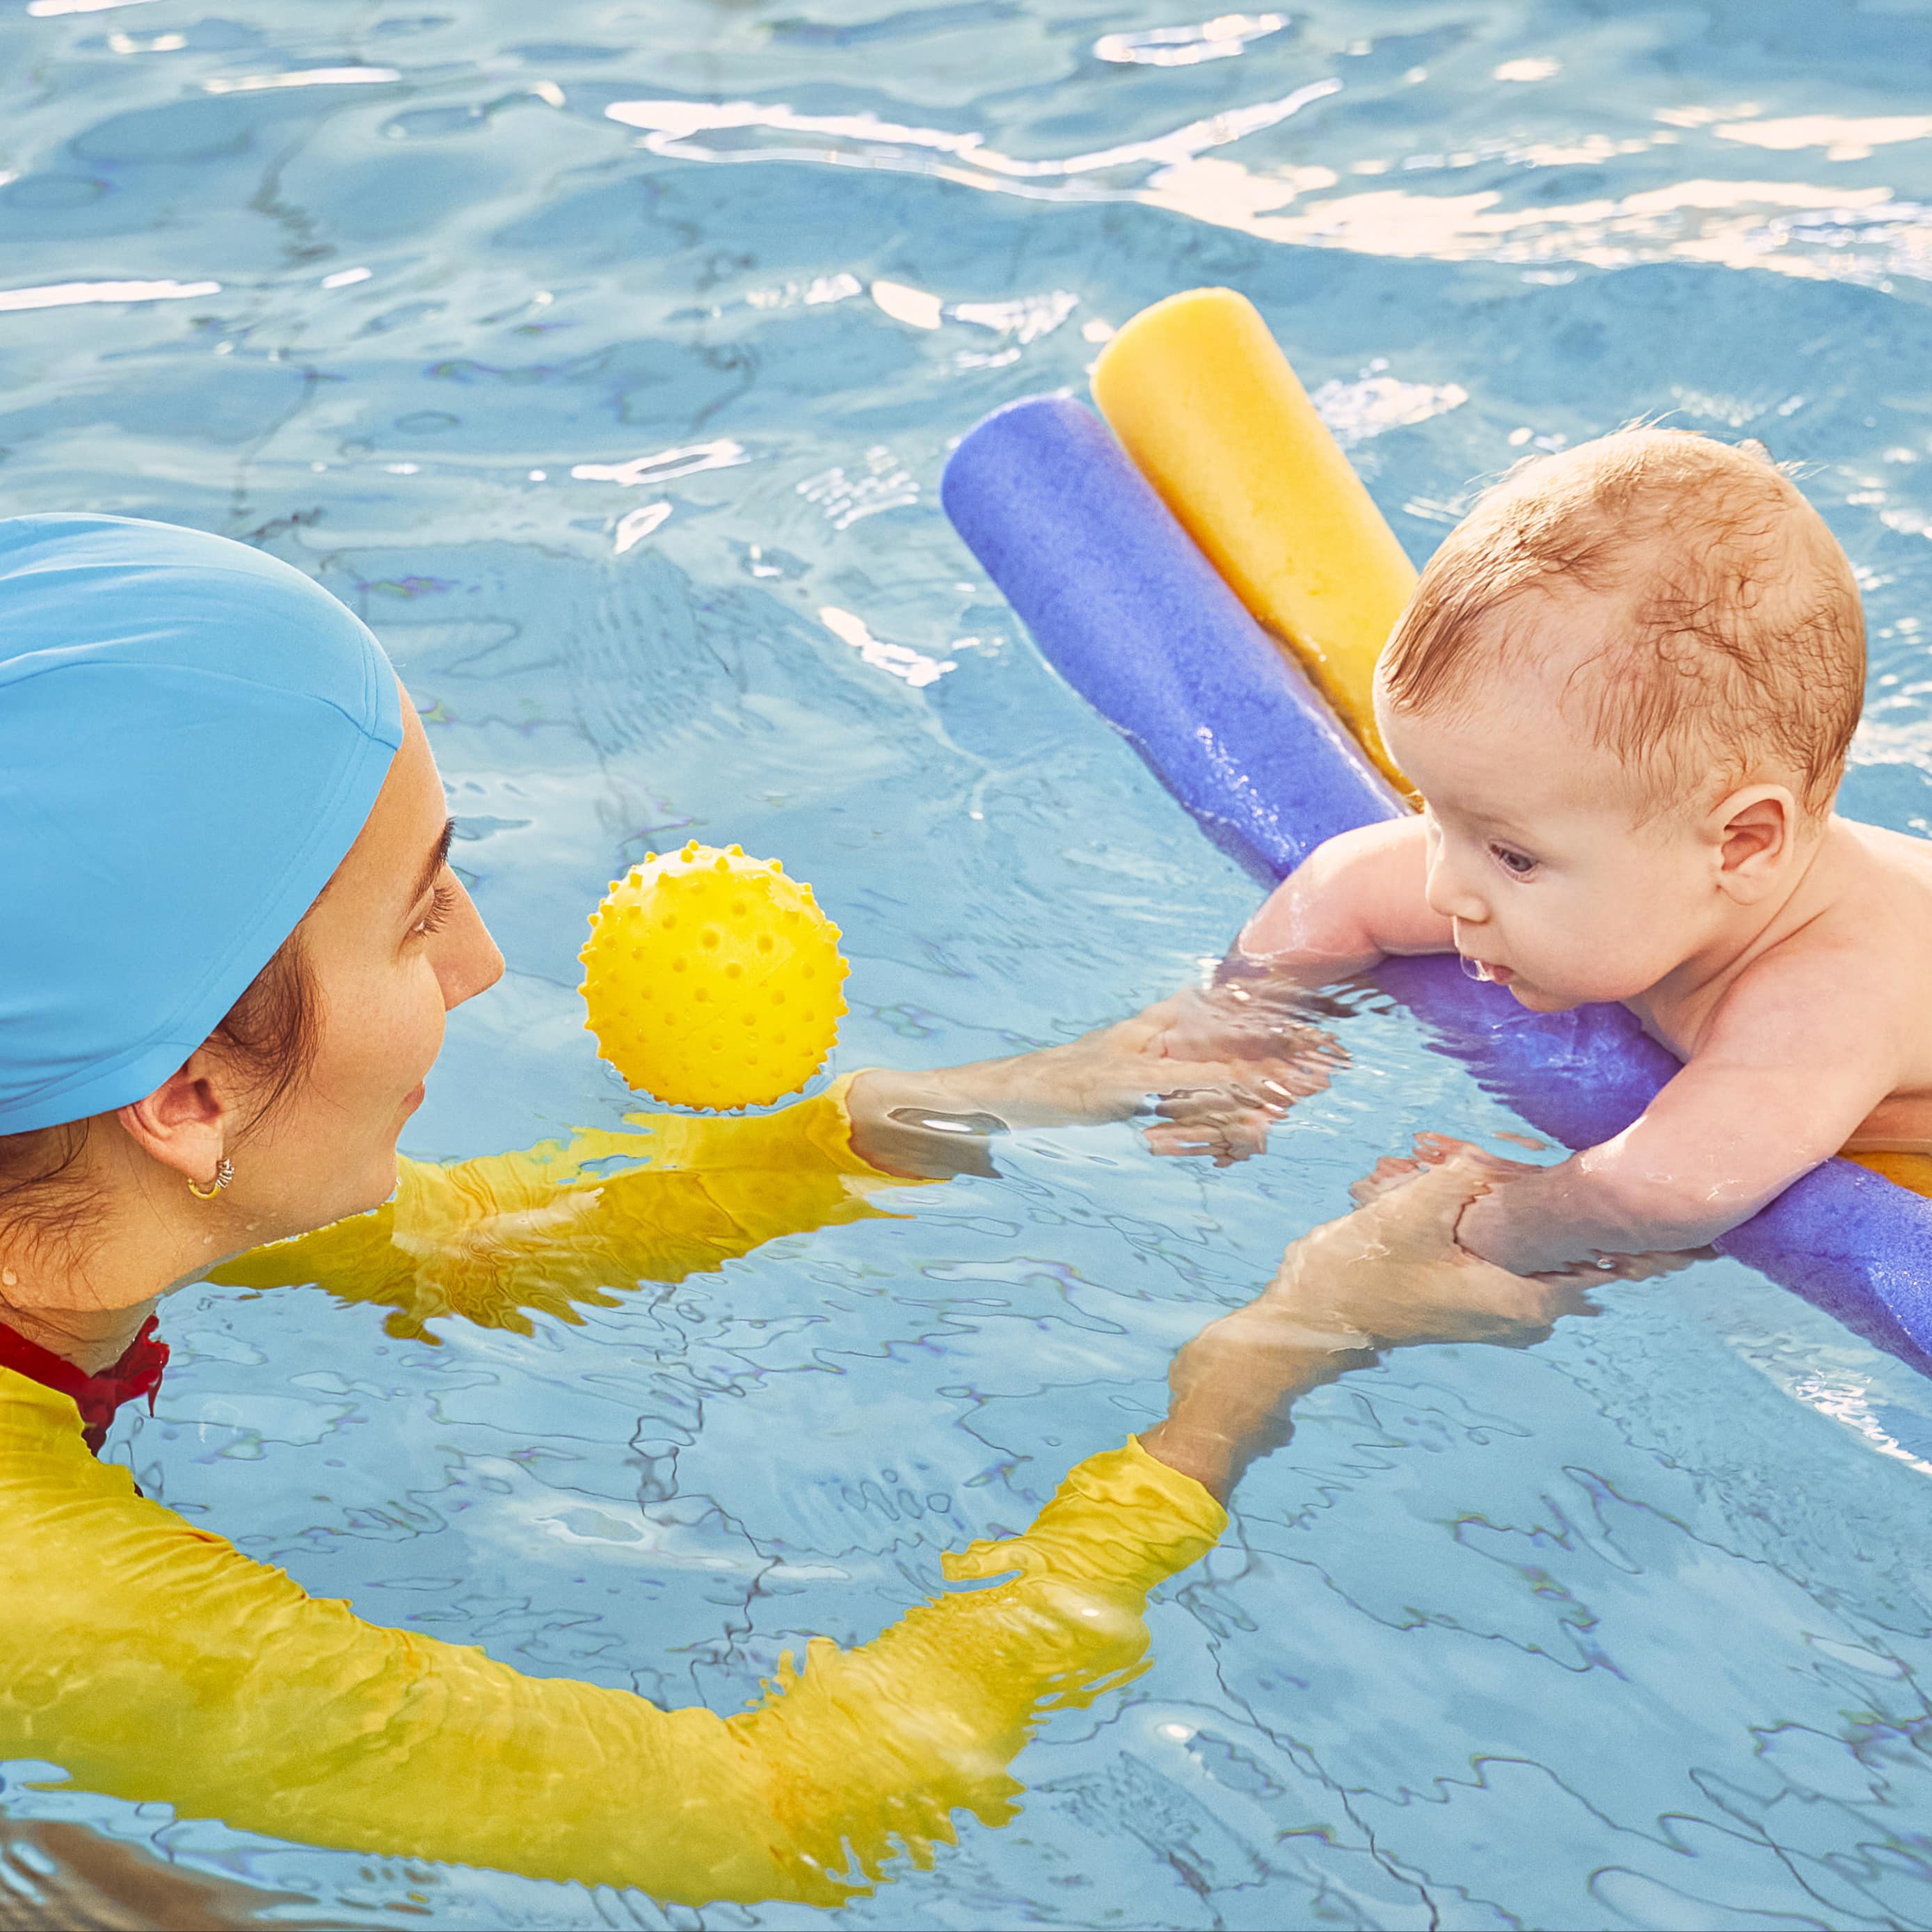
[{"x": 439, "y": 857}]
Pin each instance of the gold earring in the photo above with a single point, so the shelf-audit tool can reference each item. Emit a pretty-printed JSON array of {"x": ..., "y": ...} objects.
[{"x": 224, "y": 1172}]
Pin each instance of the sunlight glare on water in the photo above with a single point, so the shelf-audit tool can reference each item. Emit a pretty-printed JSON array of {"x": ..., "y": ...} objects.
[{"x": 605, "y": 356}]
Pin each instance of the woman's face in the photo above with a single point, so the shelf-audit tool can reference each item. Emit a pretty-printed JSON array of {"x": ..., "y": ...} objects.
[{"x": 391, "y": 946}]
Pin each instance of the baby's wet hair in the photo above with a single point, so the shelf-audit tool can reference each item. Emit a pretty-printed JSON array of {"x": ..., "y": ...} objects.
[{"x": 1733, "y": 647}]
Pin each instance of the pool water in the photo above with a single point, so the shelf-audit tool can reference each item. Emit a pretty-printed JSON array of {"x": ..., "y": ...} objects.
[{"x": 605, "y": 356}]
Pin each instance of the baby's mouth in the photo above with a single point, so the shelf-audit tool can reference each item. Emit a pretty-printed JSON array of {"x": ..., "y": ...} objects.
[{"x": 1481, "y": 969}]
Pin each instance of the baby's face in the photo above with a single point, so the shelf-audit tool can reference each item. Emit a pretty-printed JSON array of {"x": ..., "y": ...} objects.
[{"x": 1536, "y": 851}]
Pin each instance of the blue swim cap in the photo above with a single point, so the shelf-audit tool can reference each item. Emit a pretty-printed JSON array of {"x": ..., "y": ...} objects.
[{"x": 191, "y": 735}]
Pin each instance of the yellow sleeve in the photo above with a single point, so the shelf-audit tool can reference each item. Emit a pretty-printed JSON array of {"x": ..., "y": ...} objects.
[
  {"x": 152, "y": 1661},
  {"x": 560, "y": 1227}
]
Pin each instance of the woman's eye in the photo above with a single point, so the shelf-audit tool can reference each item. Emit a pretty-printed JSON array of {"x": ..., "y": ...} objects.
[
  {"x": 440, "y": 906},
  {"x": 1519, "y": 865}
]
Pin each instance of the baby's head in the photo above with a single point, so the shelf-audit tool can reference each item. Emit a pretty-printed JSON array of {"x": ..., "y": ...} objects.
[{"x": 1625, "y": 687}]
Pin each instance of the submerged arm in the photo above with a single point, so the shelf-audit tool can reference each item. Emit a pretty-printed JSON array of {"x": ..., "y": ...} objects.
[
  {"x": 153, "y": 1661},
  {"x": 1236, "y": 1056},
  {"x": 1389, "y": 1276}
]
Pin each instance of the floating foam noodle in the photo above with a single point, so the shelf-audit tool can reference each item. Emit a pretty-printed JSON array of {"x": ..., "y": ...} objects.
[
  {"x": 1124, "y": 604},
  {"x": 1213, "y": 416}
]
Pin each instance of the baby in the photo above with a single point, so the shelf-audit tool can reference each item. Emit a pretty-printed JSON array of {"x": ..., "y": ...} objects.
[{"x": 1624, "y": 689}]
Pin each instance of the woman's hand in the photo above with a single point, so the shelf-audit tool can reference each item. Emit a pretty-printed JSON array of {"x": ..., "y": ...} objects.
[
  {"x": 1217, "y": 1076},
  {"x": 1388, "y": 1276},
  {"x": 1433, "y": 1150},
  {"x": 1251, "y": 1056}
]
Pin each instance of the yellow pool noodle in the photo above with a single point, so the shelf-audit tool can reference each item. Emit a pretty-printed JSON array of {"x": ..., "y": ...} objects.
[
  {"x": 1204, "y": 402},
  {"x": 711, "y": 979}
]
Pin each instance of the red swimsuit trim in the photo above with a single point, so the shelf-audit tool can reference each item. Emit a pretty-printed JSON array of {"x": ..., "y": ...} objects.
[{"x": 136, "y": 1374}]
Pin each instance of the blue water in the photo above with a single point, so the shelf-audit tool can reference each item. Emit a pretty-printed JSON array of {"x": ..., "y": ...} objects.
[{"x": 605, "y": 356}]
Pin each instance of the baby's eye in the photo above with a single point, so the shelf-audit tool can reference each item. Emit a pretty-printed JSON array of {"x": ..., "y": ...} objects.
[{"x": 1518, "y": 865}]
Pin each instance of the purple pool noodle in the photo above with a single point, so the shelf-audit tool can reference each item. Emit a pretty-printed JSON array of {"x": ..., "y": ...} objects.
[
  {"x": 1121, "y": 601},
  {"x": 1089, "y": 557}
]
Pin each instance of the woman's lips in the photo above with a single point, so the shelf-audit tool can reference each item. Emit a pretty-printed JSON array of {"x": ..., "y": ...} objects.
[{"x": 414, "y": 1098}]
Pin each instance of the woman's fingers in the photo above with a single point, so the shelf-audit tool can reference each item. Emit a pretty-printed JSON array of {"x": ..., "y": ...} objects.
[
  {"x": 1393, "y": 1269},
  {"x": 1641, "y": 1267},
  {"x": 1433, "y": 1151},
  {"x": 1390, "y": 1171},
  {"x": 1224, "y": 1137},
  {"x": 1211, "y": 1101}
]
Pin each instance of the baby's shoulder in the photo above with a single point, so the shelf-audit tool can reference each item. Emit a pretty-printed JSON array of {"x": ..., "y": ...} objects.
[
  {"x": 1880, "y": 883},
  {"x": 1868, "y": 934},
  {"x": 1902, "y": 847}
]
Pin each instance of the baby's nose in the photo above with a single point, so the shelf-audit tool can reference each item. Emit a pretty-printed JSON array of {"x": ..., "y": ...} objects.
[{"x": 1449, "y": 897}]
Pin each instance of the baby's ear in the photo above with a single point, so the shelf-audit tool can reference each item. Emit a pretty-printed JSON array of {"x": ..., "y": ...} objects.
[{"x": 1754, "y": 830}]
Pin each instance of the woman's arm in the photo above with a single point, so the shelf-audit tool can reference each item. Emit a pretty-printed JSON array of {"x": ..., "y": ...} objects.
[
  {"x": 1228, "y": 1087},
  {"x": 1221, "y": 1065},
  {"x": 153, "y": 1661},
  {"x": 556, "y": 1227},
  {"x": 1388, "y": 1276}
]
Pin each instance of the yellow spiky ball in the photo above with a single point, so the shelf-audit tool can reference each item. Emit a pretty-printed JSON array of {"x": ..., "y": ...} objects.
[{"x": 713, "y": 979}]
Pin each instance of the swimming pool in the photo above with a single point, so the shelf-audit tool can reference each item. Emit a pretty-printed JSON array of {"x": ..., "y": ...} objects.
[{"x": 609, "y": 374}]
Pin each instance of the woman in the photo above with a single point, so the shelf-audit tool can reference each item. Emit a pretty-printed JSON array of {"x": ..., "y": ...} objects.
[{"x": 232, "y": 937}]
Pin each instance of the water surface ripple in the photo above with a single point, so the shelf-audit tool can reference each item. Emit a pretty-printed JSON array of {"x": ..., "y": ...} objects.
[{"x": 605, "y": 356}]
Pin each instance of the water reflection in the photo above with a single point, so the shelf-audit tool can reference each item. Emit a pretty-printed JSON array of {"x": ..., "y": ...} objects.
[
  {"x": 560, "y": 1227},
  {"x": 57, "y": 1877},
  {"x": 152, "y": 1661}
]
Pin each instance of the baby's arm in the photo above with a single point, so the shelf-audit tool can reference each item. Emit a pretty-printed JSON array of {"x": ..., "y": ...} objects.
[
  {"x": 1794, "y": 1059},
  {"x": 1358, "y": 898}
]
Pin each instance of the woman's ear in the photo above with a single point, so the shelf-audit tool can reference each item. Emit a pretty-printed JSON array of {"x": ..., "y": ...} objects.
[
  {"x": 1753, "y": 833},
  {"x": 185, "y": 1124}
]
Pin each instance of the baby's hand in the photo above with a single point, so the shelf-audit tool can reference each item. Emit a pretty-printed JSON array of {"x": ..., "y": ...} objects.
[
  {"x": 1431, "y": 1150},
  {"x": 1388, "y": 1274},
  {"x": 1393, "y": 1272}
]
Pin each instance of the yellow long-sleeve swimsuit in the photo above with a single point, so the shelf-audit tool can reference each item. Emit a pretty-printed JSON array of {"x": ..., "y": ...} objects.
[{"x": 151, "y": 1660}]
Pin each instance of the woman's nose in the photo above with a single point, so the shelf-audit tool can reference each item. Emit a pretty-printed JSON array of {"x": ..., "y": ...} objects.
[{"x": 470, "y": 962}]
